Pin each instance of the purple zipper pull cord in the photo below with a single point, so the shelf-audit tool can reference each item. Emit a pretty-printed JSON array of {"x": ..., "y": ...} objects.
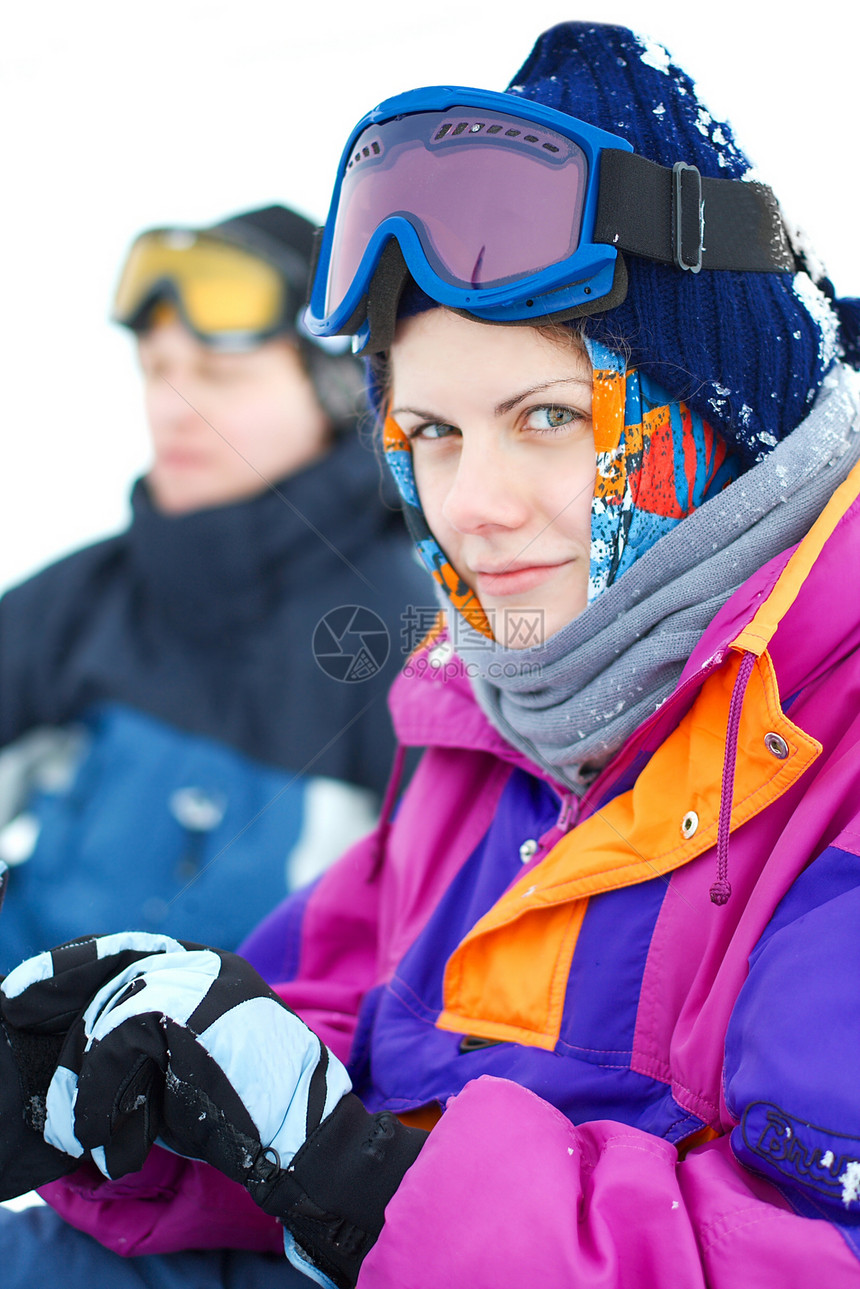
[
  {"x": 387, "y": 810},
  {"x": 722, "y": 888}
]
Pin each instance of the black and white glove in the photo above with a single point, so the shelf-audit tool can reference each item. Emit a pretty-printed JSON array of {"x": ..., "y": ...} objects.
[
  {"x": 26, "y": 1158},
  {"x": 27, "y": 1062},
  {"x": 162, "y": 1040}
]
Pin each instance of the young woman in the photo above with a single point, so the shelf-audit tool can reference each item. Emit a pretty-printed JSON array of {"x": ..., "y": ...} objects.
[{"x": 594, "y": 978}]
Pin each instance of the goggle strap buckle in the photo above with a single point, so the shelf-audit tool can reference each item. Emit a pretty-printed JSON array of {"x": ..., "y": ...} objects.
[{"x": 688, "y": 217}]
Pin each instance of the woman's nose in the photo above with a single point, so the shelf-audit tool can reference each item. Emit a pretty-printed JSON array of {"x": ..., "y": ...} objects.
[{"x": 487, "y": 491}]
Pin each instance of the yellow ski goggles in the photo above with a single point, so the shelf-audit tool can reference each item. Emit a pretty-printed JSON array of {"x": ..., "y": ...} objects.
[{"x": 227, "y": 296}]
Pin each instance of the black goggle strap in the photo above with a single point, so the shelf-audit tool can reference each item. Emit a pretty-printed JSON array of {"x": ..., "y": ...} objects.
[{"x": 678, "y": 216}]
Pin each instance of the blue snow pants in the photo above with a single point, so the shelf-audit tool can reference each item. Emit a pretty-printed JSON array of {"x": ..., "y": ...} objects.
[{"x": 37, "y": 1248}]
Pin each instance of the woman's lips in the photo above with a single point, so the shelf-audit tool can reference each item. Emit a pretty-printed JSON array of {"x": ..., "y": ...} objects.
[{"x": 514, "y": 581}]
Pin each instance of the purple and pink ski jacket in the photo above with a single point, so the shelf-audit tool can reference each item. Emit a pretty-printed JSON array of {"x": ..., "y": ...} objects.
[{"x": 630, "y": 1086}]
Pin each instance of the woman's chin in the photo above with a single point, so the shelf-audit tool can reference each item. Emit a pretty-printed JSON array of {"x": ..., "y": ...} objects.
[
  {"x": 527, "y": 621},
  {"x": 529, "y": 625}
]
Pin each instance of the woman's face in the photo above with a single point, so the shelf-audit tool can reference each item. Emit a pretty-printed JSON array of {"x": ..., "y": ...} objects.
[{"x": 499, "y": 419}]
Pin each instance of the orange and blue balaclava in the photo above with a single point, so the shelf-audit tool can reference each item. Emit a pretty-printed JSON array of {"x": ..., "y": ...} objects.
[{"x": 657, "y": 462}]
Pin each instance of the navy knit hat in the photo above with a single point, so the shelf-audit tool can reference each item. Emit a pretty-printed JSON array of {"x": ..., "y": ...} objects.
[{"x": 748, "y": 351}]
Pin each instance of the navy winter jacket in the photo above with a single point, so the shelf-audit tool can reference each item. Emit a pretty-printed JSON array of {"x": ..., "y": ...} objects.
[{"x": 182, "y": 742}]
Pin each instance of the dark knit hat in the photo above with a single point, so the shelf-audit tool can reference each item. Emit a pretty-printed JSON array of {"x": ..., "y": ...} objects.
[
  {"x": 748, "y": 351},
  {"x": 286, "y": 240}
]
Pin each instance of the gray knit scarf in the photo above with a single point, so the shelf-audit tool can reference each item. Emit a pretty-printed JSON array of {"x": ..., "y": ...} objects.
[{"x": 571, "y": 703}]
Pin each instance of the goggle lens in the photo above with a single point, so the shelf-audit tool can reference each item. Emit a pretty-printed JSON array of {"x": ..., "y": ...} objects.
[
  {"x": 492, "y": 198},
  {"x": 221, "y": 289}
]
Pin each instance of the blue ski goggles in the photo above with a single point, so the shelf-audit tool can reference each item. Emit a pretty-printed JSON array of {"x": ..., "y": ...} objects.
[{"x": 511, "y": 211}]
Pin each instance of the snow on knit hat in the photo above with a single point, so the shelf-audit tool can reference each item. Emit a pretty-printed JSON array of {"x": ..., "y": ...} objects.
[{"x": 747, "y": 351}]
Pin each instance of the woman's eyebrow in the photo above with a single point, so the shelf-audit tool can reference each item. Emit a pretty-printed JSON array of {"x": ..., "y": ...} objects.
[
  {"x": 510, "y": 403},
  {"x": 394, "y": 412},
  {"x": 501, "y": 408}
]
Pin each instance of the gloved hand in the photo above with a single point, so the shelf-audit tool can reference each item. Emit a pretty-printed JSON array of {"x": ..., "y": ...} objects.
[
  {"x": 27, "y": 1062},
  {"x": 188, "y": 1045},
  {"x": 171, "y": 1040}
]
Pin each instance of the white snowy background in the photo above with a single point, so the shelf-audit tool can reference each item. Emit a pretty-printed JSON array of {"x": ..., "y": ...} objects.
[{"x": 119, "y": 115}]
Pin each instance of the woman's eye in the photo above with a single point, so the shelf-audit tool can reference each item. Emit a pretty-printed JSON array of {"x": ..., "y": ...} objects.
[
  {"x": 551, "y": 417},
  {"x": 431, "y": 431}
]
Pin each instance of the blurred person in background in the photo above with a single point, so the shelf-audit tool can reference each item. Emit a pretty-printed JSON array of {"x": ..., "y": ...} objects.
[{"x": 187, "y": 735}]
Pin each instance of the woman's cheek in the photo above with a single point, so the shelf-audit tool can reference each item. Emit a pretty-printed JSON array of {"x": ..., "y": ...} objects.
[{"x": 432, "y": 490}]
